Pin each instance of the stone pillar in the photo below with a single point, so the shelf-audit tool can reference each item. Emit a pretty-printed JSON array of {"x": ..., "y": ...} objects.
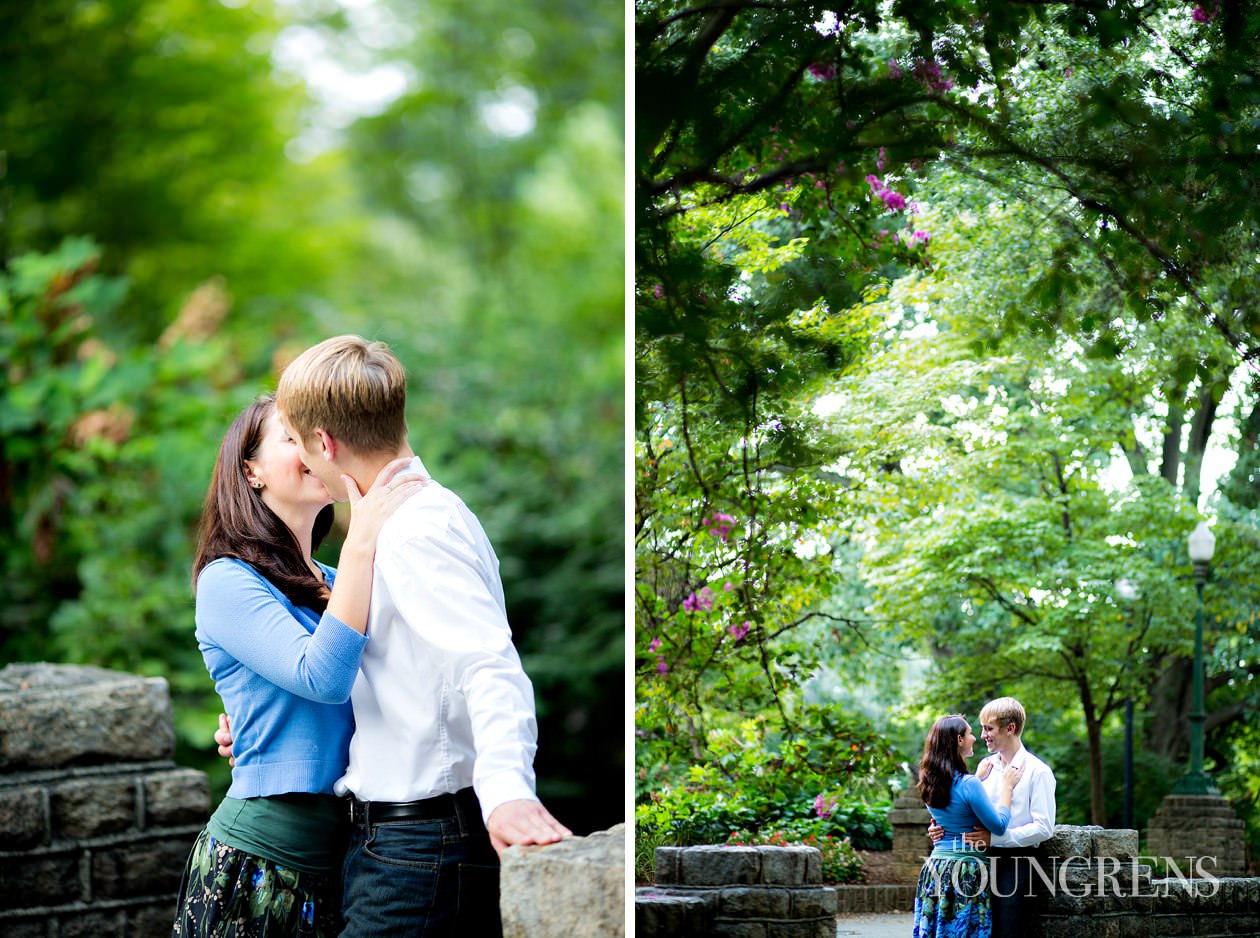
[
  {"x": 97, "y": 821},
  {"x": 909, "y": 819},
  {"x": 1199, "y": 826},
  {"x": 736, "y": 892},
  {"x": 572, "y": 889}
]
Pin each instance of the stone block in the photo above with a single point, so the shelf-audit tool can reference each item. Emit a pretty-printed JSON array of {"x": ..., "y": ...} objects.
[
  {"x": 1113, "y": 842},
  {"x": 23, "y": 818},
  {"x": 1137, "y": 926},
  {"x": 92, "y": 807},
  {"x": 23, "y": 927},
  {"x": 1247, "y": 923},
  {"x": 1172, "y": 926},
  {"x": 668, "y": 865},
  {"x": 94, "y": 924},
  {"x": 719, "y": 866},
  {"x": 143, "y": 868},
  {"x": 151, "y": 920},
  {"x": 813, "y": 903},
  {"x": 753, "y": 902},
  {"x": 738, "y": 930},
  {"x": 790, "y": 866},
  {"x": 54, "y": 715},
  {"x": 663, "y": 915},
  {"x": 176, "y": 797},
  {"x": 1071, "y": 841},
  {"x": 42, "y": 879},
  {"x": 571, "y": 889}
]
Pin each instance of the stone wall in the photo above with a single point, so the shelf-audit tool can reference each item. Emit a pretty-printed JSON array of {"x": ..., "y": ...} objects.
[
  {"x": 1102, "y": 886},
  {"x": 96, "y": 820},
  {"x": 736, "y": 892},
  {"x": 572, "y": 889}
]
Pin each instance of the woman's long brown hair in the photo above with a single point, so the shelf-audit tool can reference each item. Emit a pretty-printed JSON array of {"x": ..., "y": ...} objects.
[
  {"x": 236, "y": 523},
  {"x": 942, "y": 760}
]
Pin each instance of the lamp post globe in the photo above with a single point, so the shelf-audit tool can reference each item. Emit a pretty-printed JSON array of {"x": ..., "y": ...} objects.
[{"x": 1202, "y": 545}]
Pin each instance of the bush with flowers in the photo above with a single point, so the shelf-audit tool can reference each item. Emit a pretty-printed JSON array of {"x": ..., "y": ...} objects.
[
  {"x": 841, "y": 862},
  {"x": 758, "y": 785}
]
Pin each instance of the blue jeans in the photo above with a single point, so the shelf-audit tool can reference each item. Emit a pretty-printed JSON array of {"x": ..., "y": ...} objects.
[{"x": 422, "y": 879}]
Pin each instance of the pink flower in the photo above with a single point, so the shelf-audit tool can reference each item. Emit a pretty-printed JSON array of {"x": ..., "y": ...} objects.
[
  {"x": 739, "y": 631},
  {"x": 894, "y": 70},
  {"x": 699, "y": 601},
  {"x": 894, "y": 200},
  {"x": 879, "y": 163},
  {"x": 720, "y": 525},
  {"x": 655, "y": 644},
  {"x": 662, "y": 667},
  {"x": 928, "y": 73},
  {"x": 823, "y": 71},
  {"x": 920, "y": 236},
  {"x": 1200, "y": 15},
  {"x": 657, "y": 291}
]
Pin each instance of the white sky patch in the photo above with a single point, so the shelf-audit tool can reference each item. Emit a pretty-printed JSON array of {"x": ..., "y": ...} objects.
[
  {"x": 509, "y": 112},
  {"x": 346, "y": 81}
]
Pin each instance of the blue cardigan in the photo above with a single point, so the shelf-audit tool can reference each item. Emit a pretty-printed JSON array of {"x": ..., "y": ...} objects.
[
  {"x": 284, "y": 675},
  {"x": 969, "y": 807}
]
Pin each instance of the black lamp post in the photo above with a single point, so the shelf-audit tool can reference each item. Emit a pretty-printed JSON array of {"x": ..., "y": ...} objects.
[
  {"x": 1128, "y": 591},
  {"x": 1196, "y": 781}
]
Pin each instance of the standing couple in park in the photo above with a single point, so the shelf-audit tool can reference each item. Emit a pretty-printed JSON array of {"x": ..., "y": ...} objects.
[
  {"x": 986, "y": 827},
  {"x": 382, "y": 728}
]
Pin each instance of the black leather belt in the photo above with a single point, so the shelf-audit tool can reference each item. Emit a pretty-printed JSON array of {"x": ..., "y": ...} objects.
[{"x": 426, "y": 809}]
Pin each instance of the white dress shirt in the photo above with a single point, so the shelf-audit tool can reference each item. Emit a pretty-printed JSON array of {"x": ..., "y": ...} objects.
[
  {"x": 1032, "y": 800},
  {"x": 441, "y": 701}
]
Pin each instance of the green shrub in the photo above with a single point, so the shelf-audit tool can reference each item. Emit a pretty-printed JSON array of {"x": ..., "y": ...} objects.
[{"x": 841, "y": 863}]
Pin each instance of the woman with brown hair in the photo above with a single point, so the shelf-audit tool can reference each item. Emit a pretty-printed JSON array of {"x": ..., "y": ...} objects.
[
  {"x": 281, "y": 634},
  {"x": 953, "y": 898}
]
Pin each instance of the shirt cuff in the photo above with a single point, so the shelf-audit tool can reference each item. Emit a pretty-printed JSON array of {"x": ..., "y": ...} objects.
[{"x": 501, "y": 788}]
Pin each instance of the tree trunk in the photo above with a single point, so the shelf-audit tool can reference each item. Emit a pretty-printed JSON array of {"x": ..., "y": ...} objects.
[{"x": 1093, "y": 735}]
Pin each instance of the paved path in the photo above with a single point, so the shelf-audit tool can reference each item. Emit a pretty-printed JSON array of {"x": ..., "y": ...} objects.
[{"x": 873, "y": 925}]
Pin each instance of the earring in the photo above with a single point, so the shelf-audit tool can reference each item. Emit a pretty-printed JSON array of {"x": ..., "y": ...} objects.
[{"x": 257, "y": 485}]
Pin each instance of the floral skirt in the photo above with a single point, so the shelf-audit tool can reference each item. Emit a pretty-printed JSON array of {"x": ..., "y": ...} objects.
[
  {"x": 227, "y": 893},
  {"x": 953, "y": 898}
]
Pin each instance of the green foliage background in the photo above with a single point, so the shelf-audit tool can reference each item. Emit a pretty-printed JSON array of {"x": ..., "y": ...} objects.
[
  {"x": 943, "y": 308},
  {"x": 181, "y": 214}
]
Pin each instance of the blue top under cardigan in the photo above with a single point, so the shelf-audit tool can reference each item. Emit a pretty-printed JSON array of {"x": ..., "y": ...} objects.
[
  {"x": 284, "y": 674},
  {"x": 969, "y": 807}
]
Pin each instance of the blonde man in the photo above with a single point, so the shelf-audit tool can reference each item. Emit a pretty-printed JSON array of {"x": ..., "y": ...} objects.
[
  {"x": 441, "y": 762},
  {"x": 1002, "y": 724}
]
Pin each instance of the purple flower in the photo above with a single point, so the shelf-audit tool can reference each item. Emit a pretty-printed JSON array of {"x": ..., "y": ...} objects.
[
  {"x": 1200, "y": 15},
  {"x": 928, "y": 73},
  {"x": 894, "y": 200},
  {"x": 719, "y": 525},
  {"x": 825, "y": 804},
  {"x": 894, "y": 70},
  {"x": 702, "y": 600},
  {"x": 879, "y": 163},
  {"x": 655, "y": 644},
  {"x": 657, "y": 291},
  {"x": 920, "y": 236},
  {"x": 874, "y": 182},
  {"x": 662, "y": 667},
  {"x": 823, "y": 71},
  {"x": 739, "y": 631}
]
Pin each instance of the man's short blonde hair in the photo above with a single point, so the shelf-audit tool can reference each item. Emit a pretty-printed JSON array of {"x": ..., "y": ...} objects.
[
  {"x": 1004, "y": 711},
  {"x": 353, "y": 389}
]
